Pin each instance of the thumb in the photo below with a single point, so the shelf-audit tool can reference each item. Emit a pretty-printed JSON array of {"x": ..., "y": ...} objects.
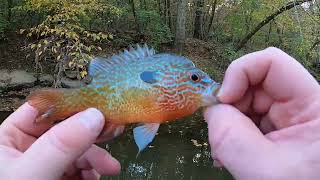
[
  {"x": 235, "y": 140},
  {"x": 58, "y": 148}
]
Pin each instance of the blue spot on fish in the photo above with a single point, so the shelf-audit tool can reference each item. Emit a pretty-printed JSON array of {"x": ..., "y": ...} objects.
[{"x": 149, "y": 77}]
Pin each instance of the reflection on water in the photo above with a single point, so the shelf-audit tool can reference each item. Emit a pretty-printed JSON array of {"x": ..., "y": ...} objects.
[{"x": 179, "y": 151}]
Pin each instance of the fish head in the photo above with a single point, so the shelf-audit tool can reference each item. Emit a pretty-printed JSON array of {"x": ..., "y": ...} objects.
[
  {"x": 199, "y": 87},
  {"x": 184, "y": 86}
]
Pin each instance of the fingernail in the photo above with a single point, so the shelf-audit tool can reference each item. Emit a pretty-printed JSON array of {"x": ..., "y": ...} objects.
[
  {"x": 92, "y": 119},
  {"x": 220, "y": 92}
]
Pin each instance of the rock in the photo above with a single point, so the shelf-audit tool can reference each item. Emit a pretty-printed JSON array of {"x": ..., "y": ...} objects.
[
  {"x": 46, "y": 77},
  {"x": 71, "y": 74},
  {"x": 20, "y": 79},
  {"x": 68, "y": 83}
]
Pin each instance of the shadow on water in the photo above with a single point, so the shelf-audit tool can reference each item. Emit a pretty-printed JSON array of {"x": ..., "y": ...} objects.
[
  {"x": 179, "y": 151},
  {"x": 3, "y": 115}
]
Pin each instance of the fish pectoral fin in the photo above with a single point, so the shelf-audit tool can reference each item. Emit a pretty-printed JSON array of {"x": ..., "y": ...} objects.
[
  {"x": 110, "y": 132},
  {"x": 144, "y": 134}
]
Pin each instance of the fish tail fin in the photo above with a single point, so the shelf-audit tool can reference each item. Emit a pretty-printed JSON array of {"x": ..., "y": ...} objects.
[{"x": 49, "y": 103}]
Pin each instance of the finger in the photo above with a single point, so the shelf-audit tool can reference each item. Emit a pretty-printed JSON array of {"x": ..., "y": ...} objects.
[
  {"x": 303, "y": 135},
  {"x": 266, "y": 125},
  {"x": 90, "y": 175},
  {"x": 100, "y": 160},
  {"x": 23, "y": 119},
  {"x": 262, "y": 101},
  {"x": 59, "y": 147},
  {"x": 277, "y": 71},
  {"x": 235, "y": 140},
  {"x": 244, "y": 104}
]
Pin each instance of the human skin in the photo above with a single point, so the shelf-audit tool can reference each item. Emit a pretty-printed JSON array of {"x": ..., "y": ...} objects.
[
  {"x": 64, "y": 151},
  {"x": 268, "y": 125}
]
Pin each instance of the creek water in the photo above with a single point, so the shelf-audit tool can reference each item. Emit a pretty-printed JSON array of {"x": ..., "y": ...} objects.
[{"x": 179, "y": 151}]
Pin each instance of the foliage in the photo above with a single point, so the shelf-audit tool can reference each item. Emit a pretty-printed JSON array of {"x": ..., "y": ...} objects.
[
  {"x": 3, "y": 20},
  {"x": 64, "y": 34},
  {"x": 71, "y": 31},
  {"x": 153, "y": 27}
]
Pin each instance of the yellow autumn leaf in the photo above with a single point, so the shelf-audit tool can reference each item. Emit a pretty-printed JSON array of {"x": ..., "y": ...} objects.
[
  {"x": 83, "y": 74},
  {"x": 22, "y": 31},
  {"x": 195, "y": 143}
]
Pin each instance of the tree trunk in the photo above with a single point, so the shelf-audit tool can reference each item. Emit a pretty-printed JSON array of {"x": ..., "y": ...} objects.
[
  {"x": 169, "y": 14},
  {"x": 159, "y": 7},
  {"x": 198, "y": 22},
  {"x": 213, "y": 12},
  {"x": 180, "y": 36},
  {"x": 135, "y": 15},
  {"x": 143, "y": 4},
  {"x": 314, "y": 45},
  {"x": 288, "y": 6},
  {"x": 10, "y": 5}
]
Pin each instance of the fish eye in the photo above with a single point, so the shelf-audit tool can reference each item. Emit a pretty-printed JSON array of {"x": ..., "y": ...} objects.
[{"x": 195, "y": 77}]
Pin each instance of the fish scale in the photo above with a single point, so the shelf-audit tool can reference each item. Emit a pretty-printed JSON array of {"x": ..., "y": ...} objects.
[{"x": 135, "y": 86}]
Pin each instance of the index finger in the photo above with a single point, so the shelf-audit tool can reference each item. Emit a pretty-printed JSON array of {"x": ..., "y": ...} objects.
[
  {"x": 24, "y": 120},
  {"x": 281, "y": 76}
]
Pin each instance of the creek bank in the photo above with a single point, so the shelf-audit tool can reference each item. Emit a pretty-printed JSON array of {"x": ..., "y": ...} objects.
[{"x": 15, "y": 85}]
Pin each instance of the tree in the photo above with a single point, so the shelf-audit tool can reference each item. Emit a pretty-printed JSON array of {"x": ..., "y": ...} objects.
[
  {"x": 180, "y": 35},
  {"x": 287, "y": 7},
  {"x": 63, "y": 34},
  {"x": 213, "y": 12},
  {"x": 198, "y": 22},
  {"x": 134, "y": 13}
]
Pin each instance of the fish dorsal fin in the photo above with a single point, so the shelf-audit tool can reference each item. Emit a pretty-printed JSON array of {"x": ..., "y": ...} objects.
[
  {"x": 97, "y": 65},
  {"x": 100, "y": 64}
]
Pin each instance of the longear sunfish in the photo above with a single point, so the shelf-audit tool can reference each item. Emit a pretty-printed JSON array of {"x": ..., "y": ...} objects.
[{"x": 135, "y": 86}]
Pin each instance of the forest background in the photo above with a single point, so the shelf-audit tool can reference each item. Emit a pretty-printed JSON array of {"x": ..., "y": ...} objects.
[{"x": 61, "y": 36}]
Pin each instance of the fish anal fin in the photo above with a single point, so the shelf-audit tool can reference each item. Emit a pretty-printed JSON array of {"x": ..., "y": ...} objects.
[{"x": 144, "y": 134}]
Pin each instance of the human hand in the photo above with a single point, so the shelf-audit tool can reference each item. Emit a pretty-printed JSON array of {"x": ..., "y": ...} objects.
[
  {"x": 65, "y": 151},
  {"x": 270, "y": 129}
]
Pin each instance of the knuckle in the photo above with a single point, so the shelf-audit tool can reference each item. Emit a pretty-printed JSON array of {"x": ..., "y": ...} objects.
[
  {"x": 58, "y": 143},
  {"x": 273, "y": 50},
  {"x": 62, "y": 144},
  {"x": 235, "y": 63}
]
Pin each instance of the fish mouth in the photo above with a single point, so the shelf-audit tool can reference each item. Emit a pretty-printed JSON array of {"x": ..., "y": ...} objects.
[{"x": 210, "y": 95}]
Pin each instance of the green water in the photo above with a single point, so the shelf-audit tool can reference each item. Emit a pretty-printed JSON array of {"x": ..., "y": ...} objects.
[{"x": 179, "y": 151}]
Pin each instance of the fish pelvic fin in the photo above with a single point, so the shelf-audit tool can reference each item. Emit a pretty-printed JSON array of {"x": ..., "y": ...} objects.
[
  {"x": 109, "y": 132},
  {"x": 144, "y": 134},
  {"x": 50, "y": 105}
]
